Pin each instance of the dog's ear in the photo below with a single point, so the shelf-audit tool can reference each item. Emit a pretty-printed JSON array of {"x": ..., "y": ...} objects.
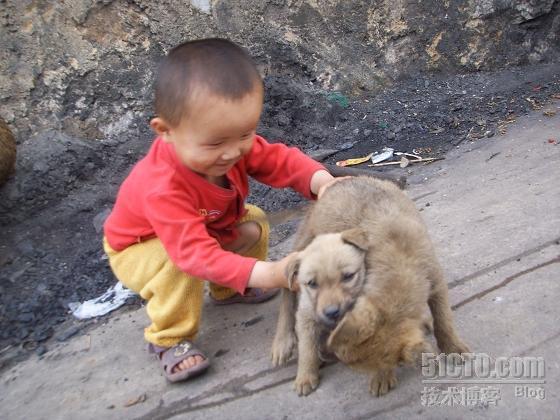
[
  {"x": 356, "y": 237},
  {"x": 292, "y": 270}
]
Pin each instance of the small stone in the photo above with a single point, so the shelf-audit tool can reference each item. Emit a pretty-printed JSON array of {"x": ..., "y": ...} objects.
[
  {"x": 221, "y": 352},
  {"x": 367, "y": 132},
  {"x": 252, "y": 321},
  {"x": 70, "y": 332},
  {"x": 391, "y": 135}
]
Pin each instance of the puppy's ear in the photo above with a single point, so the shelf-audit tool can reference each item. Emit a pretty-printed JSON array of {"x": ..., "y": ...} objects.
[
  {"x": 292, "y": 271},
  {"x": 356, "y": 237}
]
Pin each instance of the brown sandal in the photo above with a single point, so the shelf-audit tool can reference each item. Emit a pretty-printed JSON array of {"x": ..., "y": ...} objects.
[{"x": 172, "y": 356}]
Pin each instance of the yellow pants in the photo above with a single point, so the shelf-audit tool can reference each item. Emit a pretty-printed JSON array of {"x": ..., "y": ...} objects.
[{"x": 174, "y": 297}]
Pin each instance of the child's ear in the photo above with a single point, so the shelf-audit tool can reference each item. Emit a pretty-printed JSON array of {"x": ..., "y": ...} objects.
[{"x": 161, "y": 128}]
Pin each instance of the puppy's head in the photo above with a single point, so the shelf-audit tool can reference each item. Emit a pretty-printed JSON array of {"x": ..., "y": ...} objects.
[{"x": 331, "y": 273}]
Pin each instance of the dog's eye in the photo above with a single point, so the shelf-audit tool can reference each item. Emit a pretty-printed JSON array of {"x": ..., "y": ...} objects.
[
  {"x": 346, "y": 277},
  {"x": 312, "y": 284}
]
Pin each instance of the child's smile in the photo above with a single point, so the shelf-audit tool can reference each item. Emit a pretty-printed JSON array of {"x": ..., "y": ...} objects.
[{"x": 216, "y": 133}]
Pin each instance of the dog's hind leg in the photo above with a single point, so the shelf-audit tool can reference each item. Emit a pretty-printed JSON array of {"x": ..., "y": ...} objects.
[
  {"x": 285, "y": 337},
  {"x": 307, "y": 378},
  {"x": 447, "y": 339}
]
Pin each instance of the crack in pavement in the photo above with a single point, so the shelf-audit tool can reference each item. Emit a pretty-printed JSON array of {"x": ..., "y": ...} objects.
[
  {"x": 505, "y": 282},
  {"x": 540, "y": 343},
  {"x": 237, "y": 386},
  {"x": 502, "y": 263}
]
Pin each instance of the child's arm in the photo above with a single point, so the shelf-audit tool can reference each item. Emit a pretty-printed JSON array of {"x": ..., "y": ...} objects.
[{"x": 270, "y": 274}]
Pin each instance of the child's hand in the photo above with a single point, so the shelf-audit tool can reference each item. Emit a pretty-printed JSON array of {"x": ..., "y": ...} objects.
[
  {"x": 328, "y": 184},
  {"x": 270, "y": 274}
]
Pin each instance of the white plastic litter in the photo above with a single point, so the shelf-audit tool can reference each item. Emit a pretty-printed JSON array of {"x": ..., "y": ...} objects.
[
  {"x": 113, "y": 298},
  {"x": 386, "y": 153}
]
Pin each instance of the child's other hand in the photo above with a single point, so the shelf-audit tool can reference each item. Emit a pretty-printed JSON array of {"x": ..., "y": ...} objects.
[{"x": 328, "y": 184}]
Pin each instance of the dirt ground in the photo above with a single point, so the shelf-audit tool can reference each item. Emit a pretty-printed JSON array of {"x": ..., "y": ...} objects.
[{"x": 52, "y": 210}]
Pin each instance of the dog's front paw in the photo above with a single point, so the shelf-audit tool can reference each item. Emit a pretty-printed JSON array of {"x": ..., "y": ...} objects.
[
  {"x": 454, "y": 346},
  {"x": 305, "y": 384},
  {"x": 282, "y": 348},
  {"x": 382, "y": 382}
]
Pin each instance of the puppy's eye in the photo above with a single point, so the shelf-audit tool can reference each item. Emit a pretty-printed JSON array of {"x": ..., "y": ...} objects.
[
  {"x": 312, "y": 284},
  {"x": 346, "y": 277}
]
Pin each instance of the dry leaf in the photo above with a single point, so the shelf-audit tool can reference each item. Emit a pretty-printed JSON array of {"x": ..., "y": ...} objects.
[
  {"x": 404, "y": 162},
  {"x": 549, "y": 113}
]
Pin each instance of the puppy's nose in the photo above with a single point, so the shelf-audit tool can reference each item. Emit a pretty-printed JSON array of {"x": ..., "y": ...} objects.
[{"x": 331, "y": 312}]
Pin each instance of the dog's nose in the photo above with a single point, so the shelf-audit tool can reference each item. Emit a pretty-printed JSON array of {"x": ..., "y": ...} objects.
[{"x": 332, "y": 312}]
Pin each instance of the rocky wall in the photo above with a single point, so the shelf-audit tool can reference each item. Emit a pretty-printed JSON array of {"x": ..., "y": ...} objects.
[{"x": 86, "y": 67}]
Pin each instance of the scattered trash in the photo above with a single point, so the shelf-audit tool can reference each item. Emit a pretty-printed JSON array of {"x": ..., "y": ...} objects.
[
  {"x": 536, "y": 88},
  {"x": 140, "y": 399},
  {"x": 387, "y": 153},
  {"x": 112, "y": 299},
  {"x": 502, "y": 124},
  {"x": 383, "y": 124},
  {"x": 354, "y": 161},
  {"x": 408, "y": 154},
  {"x": 338, "y": 98},
  {"x": 549, "y": 113},
  {"x": 252, "y": 321},
  {"x": 498, "y": 299},
  {"x": 534, "y": 104},
  {"x": 422, "y": 150},
  {"x": 552, "y": 141},
  {"x": 424, "y": 160}
]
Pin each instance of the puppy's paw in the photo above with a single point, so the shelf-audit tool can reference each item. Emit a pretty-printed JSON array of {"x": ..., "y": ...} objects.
[
  {"x": 454, "y": 346},
  {"x": 282, "y": 348},
  {"x": 305, "y": 384},
  {"x": 382, "y": 382}
]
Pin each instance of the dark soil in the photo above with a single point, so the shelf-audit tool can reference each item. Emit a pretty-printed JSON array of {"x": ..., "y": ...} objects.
[{"x": 52, "y": 210}]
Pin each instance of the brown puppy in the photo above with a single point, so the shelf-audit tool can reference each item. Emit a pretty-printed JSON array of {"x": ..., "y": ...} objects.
[{"x": 366, "y": 270}]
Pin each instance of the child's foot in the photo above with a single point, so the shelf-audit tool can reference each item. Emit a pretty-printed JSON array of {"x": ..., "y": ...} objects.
[
  {"x": 180, "y": 362},
  {"x": 252, "y": 295}
]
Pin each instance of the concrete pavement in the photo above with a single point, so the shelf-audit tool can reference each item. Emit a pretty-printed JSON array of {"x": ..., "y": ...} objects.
[{"x": 493, "y": 210}]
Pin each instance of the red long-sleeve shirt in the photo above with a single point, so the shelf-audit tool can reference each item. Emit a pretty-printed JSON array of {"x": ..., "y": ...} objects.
[{"x": 194, "y": 218}]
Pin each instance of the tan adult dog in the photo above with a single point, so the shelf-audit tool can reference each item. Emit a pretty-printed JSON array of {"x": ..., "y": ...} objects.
[{"x": 366, "y": 269}]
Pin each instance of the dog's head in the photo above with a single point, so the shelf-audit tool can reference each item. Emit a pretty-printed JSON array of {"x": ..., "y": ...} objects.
[{"x": 331, "y": 272}]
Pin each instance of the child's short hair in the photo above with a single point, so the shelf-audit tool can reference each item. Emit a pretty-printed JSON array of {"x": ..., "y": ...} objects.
[{"x": 216, "y": 65}]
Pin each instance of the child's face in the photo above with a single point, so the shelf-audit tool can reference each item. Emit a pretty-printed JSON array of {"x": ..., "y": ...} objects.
[{"x": 216, "y": 133}]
